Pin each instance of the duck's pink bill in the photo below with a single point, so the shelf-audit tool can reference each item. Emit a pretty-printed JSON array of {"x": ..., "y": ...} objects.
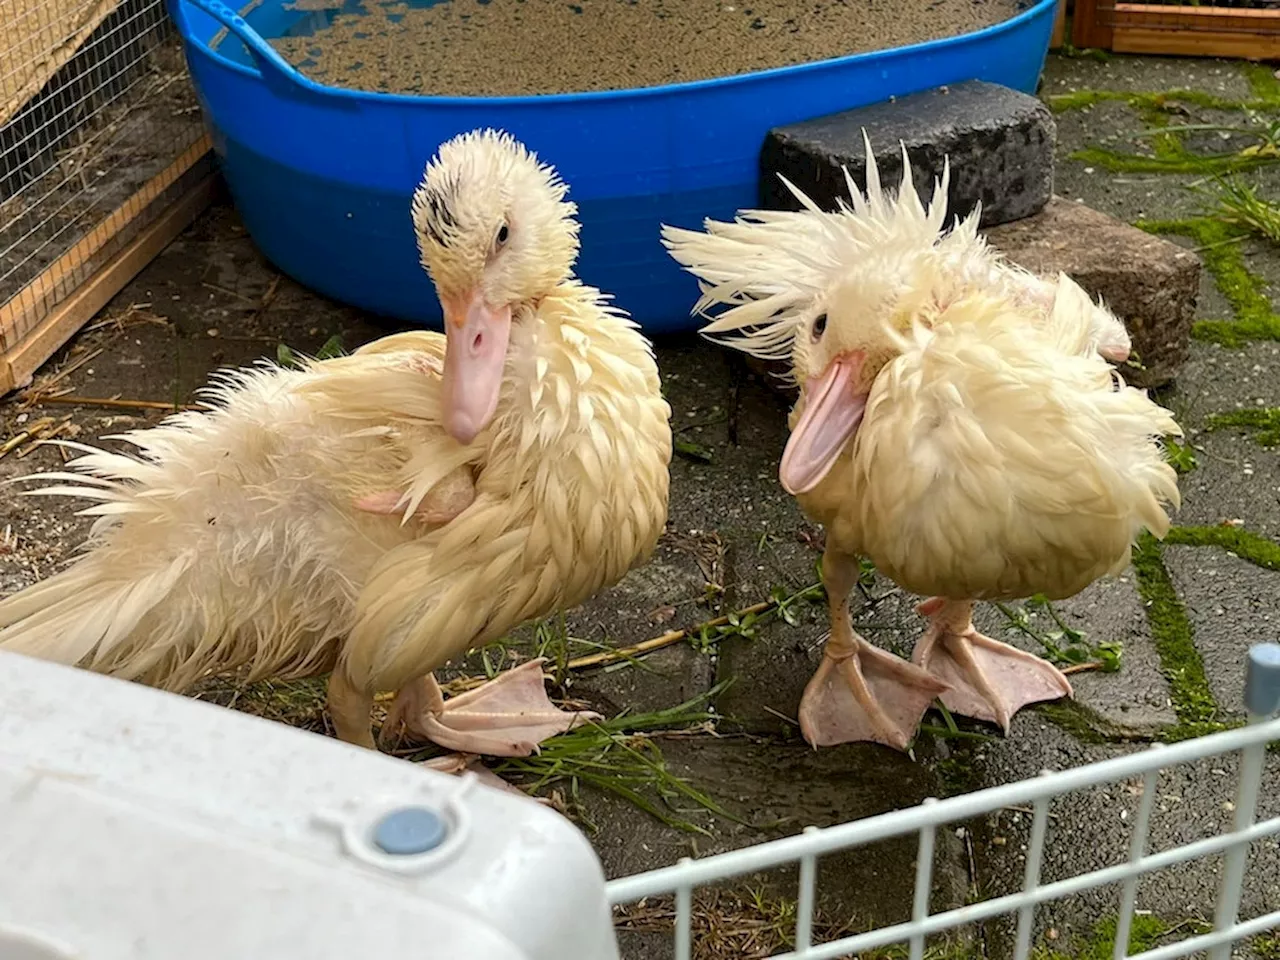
[
  {"x": 475, "y": 352},
  {"x": 831, "y": 416}
]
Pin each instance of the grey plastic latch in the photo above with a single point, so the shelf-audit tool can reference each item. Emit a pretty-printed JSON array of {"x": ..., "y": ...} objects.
[
  {"x": 410, "y": 831},
  {"x": 1262, "y": 680}
]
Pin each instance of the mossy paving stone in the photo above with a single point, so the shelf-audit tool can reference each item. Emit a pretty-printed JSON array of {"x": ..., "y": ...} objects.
[
  {"x": 1135, "y": 698},
  {"x": 1231, "y": 604}
]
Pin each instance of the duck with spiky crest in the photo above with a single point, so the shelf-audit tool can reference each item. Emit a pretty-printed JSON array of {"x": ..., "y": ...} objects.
[
  {"x": 379, "y": 514},
  {"x": 958, "y": 423}
]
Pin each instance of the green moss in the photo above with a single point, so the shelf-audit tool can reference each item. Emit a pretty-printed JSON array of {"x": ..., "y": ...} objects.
[
  {"x": 1262, "y": 83},
  {"x": 1082, "y": 99},
  {"x": 1084, "y": 723},
  {"x": 1198, "y": 713},
  {"x": 1189, "y": 731},
  {"x": 1170, "y": 160},
  {"x": 1174, "y": 637},
  {"x": 1083, "y": 53},
  {"x": 957, "y": 774},
  {"x": 1218, "y": 244},
  {"x": 1267, "y": 946},
  {"x": 1146, "y": 932},
  {"x": 1263, "y": 423},
  {"x": 1236, "y": 333},
  {"x": 1251, "y": 547}
]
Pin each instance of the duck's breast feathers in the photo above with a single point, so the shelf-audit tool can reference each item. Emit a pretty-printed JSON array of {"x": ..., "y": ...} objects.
[
  {"x": 1007, "y": 465},
  {"x": 572, "y": 494}
]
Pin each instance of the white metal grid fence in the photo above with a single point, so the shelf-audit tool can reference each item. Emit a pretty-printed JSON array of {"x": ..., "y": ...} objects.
[
  {"x": 96, "y": 115},
  {"x": 1250, "y": 742}
]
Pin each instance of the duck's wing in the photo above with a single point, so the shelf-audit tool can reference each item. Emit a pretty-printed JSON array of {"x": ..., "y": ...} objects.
[
  {"x": 391, "y": 388},
  {"x": 1009, "y": 463},
  {"x": 759, "y": 274},
  {"x": 1077, "y": 324},
  {"x": 971, "y": 265},
  {"x": 425, "y": 342}
]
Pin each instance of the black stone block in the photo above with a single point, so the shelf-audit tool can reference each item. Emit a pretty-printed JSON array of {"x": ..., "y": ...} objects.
[{"x": 1000, "y": 143}]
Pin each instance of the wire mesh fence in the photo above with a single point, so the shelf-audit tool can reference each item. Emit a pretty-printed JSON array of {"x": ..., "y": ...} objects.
[
  {"x": 1254, "y": 820},
  {"x": 99, "y": 130}
]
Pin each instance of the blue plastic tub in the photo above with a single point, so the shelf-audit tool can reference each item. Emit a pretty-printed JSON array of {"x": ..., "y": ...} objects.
[{"x": 322, "y": 176}]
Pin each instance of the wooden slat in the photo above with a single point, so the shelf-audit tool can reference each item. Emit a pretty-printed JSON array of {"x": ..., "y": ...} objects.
[
  {"x": 1059, "y": 34},
  {"x": 1197, "y": 31},
  {"x": 1090, "y": 26},
  {"x": 20, "y": 364},
  {"x": 1177, "y": 30},
  {"x": 25, "y": 309}
]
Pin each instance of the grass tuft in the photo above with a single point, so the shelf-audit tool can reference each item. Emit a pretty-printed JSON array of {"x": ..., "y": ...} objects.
[
  {"x": 1239, "y": 204},
  {"x": 622, "y": 756},
  {"x": 298, "y": 703}
]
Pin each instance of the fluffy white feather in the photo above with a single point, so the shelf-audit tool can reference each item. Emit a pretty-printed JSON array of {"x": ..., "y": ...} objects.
[{"x": 760, "y": 274}]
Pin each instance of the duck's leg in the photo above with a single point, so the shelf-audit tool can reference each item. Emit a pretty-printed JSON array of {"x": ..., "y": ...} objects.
[
  {"x": 860, "y": 692},
  {"x": 448, "y": 498},
  {"x": 989, "y": 680},
  {"x": 349, "y": 710},
  {"x": 506, "y": 717}
]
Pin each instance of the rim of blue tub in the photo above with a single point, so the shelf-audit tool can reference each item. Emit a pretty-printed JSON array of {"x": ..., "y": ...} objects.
[{"x": 270, "y": 61}]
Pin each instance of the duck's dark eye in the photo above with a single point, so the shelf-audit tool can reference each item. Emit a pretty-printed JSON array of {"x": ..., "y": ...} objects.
[
  {"x": 819, "y": 326},
  {"x": 503, "y": 233}
]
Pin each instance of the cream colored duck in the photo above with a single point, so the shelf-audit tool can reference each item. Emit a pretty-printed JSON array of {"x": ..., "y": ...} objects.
[
  {"x": 971, "y": 442},
  {"x": 379, "y": 514}
]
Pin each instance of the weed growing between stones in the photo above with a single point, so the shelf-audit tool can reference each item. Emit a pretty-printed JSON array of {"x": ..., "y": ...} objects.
[
  {"x": 1239, "y": 204},
  {"x": 1063, "y": 644},
  {"x": 1181, "y": 456}
]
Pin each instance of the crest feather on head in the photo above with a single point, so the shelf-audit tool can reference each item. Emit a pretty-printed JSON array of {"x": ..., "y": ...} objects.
[{"x": 759, "y": 274}]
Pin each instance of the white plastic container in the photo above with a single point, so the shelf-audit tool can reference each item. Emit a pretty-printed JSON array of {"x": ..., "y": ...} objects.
[{"x": 142, "y": 825}]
